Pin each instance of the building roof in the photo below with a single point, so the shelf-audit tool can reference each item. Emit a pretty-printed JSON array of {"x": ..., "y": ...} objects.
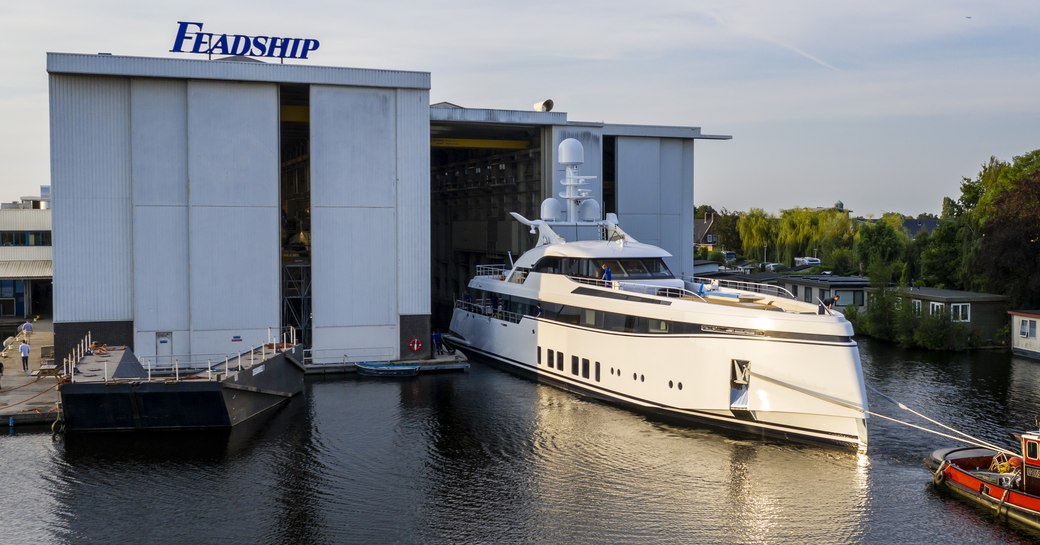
[
  {"x": 915, "y": 226},
  {"x": 232, "y": 69},
  {"x": 26, "y": 270},
  {"x": 1026, "y": 313},
  {"x": 954, "y": 296},
  {"x": 827, "y": 280}
]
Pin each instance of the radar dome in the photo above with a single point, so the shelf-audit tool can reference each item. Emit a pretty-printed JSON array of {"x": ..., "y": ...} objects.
[
  {"x": 571, "y": 152},
  {"x": 588, "y": 210},
  {"x": 551, "y": 209}
]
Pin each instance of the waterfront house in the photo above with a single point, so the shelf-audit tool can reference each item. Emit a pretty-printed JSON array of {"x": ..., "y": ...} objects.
[
  {"x": 814, "y": 288},
  {"x": 1023, "y": 333},
  {"x": 984, "y": 313}
]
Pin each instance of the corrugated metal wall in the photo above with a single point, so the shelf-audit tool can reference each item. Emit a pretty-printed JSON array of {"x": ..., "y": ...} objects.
[
  {"x": 233, "y": 215},
  {"x": 354, "y": 222},
  {"x": 90, "y": 185},
  {"x": 655, "y": 195},
  {"x": 158, "y": 126},
  {"x": 413, "y": 202}
]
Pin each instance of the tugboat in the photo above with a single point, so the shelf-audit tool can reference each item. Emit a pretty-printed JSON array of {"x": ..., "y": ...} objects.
[
  {"x": 607, "y": 319},
  {"x": 998, "y": 479}
]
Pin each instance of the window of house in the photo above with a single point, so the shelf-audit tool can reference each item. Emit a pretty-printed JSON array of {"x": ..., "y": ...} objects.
[
  {"x": 1028, "y": 329},
  {"x": 960, "y": 312},
  {"x": 794, "y": 290},
  {"x": 916, "y": 304},
  {"x": 808, "y": 295},
  {"x": 849, "y": 297},
  {"x": 935, "y": 308}
]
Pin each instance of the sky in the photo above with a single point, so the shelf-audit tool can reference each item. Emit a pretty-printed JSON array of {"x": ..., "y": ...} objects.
[{"x": 884, "y": 105}]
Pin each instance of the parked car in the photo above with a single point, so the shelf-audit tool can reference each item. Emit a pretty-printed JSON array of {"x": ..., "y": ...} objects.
[{"x": 806, "y": 261}]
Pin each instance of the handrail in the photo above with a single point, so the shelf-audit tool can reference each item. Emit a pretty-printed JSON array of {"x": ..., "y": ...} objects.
[
  {"x": 743, "y": 285},
  {"x": 639, "y": 287},
  {"x": 485, "y": 310}
]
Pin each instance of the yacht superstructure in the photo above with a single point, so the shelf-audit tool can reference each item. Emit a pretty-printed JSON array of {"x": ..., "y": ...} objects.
[{"x": 608, "y": 319}]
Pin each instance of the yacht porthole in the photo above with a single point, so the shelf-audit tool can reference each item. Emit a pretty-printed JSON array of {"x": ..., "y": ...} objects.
[
  {"x": 669, "y": 384},
  {"x": 635, "y": 376},
  {"x": 680, "y": 386},
  {"x": 642, "y": 378}
]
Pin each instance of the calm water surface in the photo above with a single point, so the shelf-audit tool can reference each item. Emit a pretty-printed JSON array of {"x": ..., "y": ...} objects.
[{"x": 486, "y": 457}]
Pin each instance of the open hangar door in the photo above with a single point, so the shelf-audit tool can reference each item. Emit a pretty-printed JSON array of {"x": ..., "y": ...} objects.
[{"x": 479, "y": 174}]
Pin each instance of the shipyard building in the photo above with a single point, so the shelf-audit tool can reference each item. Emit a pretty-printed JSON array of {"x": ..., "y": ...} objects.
[{"x": 205, "y": 206}]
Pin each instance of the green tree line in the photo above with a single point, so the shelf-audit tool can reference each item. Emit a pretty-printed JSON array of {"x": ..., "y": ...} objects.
[{"x": 988, "y": 238}]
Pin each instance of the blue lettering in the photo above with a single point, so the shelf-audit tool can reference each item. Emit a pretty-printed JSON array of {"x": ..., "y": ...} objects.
[
  {"x": 182, "y": 34},
  {"x": 240, "y": 45},
  {"x": 308, "y": 46},
  {"x": 202, "y": 41},
  {"x": 189, "y": 32},
  {"x": 259, "y": 46},
  {"x": 281, "y": 44},
  {"x": 220, "y": 47}
]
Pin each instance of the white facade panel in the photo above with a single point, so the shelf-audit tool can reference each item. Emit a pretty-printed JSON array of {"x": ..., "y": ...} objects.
[
  {"x": 361, "y": 343},
  {"x": 413, "y": 202},
  {"x": 218, "y": 343},
  {"x": 146, "y": 343},
  {"x": 19, "y": 219},
  {"x": 354, "y": 267},
  {"x": 90, "y": 188},
  {"x": 353, "y": 147},
  {"x": 655, "y": 195},
  {"x": 161, "y": 268},
  {"x": 638, "y": 178},
  {"x": 233, "y": 144},
  {"x": 234, "y": 271},
  {"x": 26, "y": 253},
  {"x": 159, "y": 132}
]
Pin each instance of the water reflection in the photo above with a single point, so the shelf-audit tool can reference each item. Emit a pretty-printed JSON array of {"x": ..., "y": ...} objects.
[{"x": 489, "y": 457}]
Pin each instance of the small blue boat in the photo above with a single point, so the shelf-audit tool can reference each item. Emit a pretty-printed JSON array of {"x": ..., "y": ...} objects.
[{"x": 375, "y": 369}]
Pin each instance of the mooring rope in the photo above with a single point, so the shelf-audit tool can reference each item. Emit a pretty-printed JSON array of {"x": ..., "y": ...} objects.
[{"x": 971, "y": 440}]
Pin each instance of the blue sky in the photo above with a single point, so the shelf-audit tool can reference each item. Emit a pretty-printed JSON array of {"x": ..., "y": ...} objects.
[{"x": 883, "y": 105}]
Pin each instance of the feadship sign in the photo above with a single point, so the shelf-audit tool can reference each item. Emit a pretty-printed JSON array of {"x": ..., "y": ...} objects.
[{"x": 191, "y": 39}]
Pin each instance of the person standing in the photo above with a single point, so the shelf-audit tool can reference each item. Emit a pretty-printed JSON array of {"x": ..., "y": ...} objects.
[
  {"x": 24, "y": 349},
  {"x": 27, "y": 329},
  {"x": 828, "y": 304},
  {"x": 438, "y": 342}
]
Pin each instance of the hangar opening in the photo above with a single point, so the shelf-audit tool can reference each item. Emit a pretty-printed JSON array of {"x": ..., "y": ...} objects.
[
  {"x": 295, "y": 196},
  {"x": 478, "y": 174}
]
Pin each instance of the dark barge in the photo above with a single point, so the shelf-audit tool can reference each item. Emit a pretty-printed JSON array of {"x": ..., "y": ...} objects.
[{"x": 112, "y": 391}]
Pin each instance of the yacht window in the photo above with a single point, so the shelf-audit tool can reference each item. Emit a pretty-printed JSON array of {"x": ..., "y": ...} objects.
[
  {"x": 559, "y": 361},
  {"x": 597, "y": 371},
  {"x": 574, "y": 365},
  {"x": 633, "y": 268},
  {"x": 539, "y": 355},
  {"x": 1031, "y": 450},
  {"x": 588, "y": 317},
  {"x": 570, "y": 315},
  {"x": 584, "y": 368},
  {"x": 656, "y": 268},
  {"x": 549, "y": 265},
  {"x": 658, "y": 326}
]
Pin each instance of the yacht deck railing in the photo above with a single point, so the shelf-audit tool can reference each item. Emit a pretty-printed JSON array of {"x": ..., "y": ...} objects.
[{"x": 756, "y": 287}]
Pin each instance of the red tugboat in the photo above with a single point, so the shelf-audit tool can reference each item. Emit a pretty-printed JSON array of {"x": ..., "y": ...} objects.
[{"x": 999, "y": 480}]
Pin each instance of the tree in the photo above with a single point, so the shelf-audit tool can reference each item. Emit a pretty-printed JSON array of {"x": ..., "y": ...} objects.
[
  {"x": 879, "y": 244},
  {"x": 726, "y": 230},
  {"x": 756, "y": 229},
  {"x": 1010, "y": 249},
  {"x": 797, "y": 232}
]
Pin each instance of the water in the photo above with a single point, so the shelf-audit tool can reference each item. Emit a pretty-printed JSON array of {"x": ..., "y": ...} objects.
[{"x": 486, "y": 457}]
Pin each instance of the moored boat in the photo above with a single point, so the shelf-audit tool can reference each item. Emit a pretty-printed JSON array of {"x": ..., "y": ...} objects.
[
  {"x": 1000, "y": 480},
  {"x": 379, "y": 369},
  {"x": 607, "y": 318}
]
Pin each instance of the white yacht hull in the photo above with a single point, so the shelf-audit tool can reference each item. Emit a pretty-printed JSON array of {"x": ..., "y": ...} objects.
[{"x": 795, "y": 388}]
